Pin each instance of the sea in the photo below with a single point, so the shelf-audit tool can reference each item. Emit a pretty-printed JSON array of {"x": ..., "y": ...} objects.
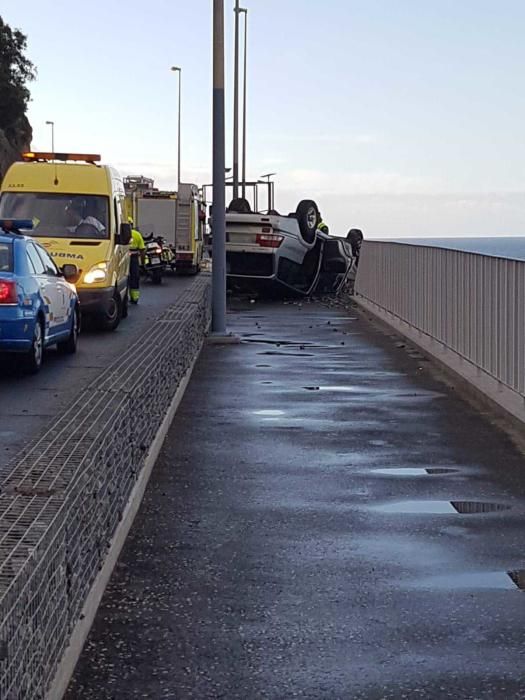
[{"x": 501, "y": 246}]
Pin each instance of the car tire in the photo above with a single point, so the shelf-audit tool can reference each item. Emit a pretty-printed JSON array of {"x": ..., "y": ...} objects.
[
  {"x": 307, "y": 215},
  {"x": 110, "y": 319},
  {"x": 69, "y": 346},
  {"x": 240, "y": 205},
  {"x": 125, "y": 305},
  {"x": 35, "y": 355}
]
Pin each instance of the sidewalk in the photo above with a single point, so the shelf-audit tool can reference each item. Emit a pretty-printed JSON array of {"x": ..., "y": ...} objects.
[{"x": 326, "y": 521}]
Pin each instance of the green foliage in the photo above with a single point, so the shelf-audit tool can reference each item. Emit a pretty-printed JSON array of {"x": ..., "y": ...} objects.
[{"x": 15, "y": 72}]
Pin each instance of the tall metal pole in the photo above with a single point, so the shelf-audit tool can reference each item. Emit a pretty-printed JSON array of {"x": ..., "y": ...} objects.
[
  {"x": 219, "y": 208},
  {"x": 236, "y": 106},
  {"x": 244, "y": 104},
  {"x": 178, "y": 70},
  {"x": 178, "y": 136}
]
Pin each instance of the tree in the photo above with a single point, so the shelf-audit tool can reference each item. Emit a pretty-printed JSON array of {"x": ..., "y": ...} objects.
[{"x": 15, "y": 72}]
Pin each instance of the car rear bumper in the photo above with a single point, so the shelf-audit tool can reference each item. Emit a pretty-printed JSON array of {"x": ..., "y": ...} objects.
[{"x": 16, "y": 334}]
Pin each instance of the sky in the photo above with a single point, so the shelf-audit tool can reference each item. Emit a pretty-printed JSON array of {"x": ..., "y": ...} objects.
[{"x": 399, "y": 117}]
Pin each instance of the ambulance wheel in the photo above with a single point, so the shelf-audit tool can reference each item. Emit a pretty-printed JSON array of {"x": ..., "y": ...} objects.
[
  {"x": 110, "y": 318},
  {"x": 125, "y": 305}
]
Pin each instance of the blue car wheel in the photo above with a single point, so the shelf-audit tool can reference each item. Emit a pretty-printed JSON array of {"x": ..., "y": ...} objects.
[
  {"x": 35, "y": 355},
  {"x": 69, "y": 346}
]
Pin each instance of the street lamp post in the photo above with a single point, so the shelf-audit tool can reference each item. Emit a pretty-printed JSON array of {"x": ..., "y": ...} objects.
[
  {"x": 236, "y": 106},
  {"x": 52, "y": 125},
  {"x": 245, "y": 12},
  {"x": 219, "y": 208},
  {"x": 176, "y": 69}
]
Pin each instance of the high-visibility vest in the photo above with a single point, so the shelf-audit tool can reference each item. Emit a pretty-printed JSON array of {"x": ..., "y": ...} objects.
[{"x": 137, "y": 242}]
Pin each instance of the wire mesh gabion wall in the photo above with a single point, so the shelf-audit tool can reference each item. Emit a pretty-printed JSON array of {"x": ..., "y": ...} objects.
[{"x": 62, "y": 499}]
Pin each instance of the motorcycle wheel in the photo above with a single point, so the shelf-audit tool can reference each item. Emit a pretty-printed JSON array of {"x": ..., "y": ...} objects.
[{"x": 156, "y": 276}]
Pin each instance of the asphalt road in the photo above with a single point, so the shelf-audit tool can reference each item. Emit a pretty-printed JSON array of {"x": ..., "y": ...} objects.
[
  {"x": 29, "y": 403},
  {"x": 327, "y": 521}
]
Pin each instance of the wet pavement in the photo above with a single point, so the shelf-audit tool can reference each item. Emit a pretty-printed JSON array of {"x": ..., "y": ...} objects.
[
  {"x": 31, "y": 403},
  {"x": 326, "y": 520}
]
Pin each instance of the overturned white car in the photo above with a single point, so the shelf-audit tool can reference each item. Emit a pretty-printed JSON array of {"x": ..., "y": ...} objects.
[{"x": 283, "y": 254}]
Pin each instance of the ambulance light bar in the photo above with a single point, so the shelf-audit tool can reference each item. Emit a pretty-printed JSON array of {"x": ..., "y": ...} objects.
[{"x": 83, "y": 157}]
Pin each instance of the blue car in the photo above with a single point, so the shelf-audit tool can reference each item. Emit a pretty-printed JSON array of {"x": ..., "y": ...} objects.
[{"x": 39, "y": 304}]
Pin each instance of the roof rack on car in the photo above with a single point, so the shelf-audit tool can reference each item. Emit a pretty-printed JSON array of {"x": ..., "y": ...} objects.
[{"x": 46, "y": 156}]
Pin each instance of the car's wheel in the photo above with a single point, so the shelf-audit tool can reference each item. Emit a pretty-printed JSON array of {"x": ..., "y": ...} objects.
[
  {"x": 240, "y": 205},
  {"x": 110, "y": 318},
  {"x": 69, "y": 346},
  {"x": 307, "y": 215},
  {"x": 35, "y": 355},
  {"x": 125, "y": 305}
]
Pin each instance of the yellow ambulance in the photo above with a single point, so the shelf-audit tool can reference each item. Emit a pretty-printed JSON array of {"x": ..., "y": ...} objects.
[{"x": 78, "y": 211}]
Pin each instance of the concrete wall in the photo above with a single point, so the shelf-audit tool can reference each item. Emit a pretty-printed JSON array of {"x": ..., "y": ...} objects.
[{"x": 467, "y": 310}]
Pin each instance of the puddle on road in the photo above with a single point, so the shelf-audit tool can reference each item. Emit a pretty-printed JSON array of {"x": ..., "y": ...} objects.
[
  {"x": 269, "y": 341},
  {"x": 442, "y": 507},
  {"x": 265, "y": 382},
  {"x": 332, "y": 388},
  {"x": 269, "y": 413},
  {"x": 388, "y": 394},
  {"x": 286, "y": 354},
  {"x": 414, "y": 471},
  {"x": 506, "y": 580},
  {"x": 306, "y": 345},
  {"x": 265, "y": 366}
]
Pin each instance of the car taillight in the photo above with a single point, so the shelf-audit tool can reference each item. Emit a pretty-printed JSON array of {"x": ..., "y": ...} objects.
[
  {"x": 269, "y": 240},
  {"x": 7, "y": 292}
]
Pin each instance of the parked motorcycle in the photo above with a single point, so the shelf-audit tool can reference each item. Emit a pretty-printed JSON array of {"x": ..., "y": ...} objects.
[{"x": 155, "y": 261}]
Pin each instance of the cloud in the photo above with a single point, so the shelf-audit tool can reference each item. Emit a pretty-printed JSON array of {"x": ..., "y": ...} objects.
[
  {"x": 382, "y": 203},
  {"x": 339, "y": 138},
  {"x": 343, "y": 183}
]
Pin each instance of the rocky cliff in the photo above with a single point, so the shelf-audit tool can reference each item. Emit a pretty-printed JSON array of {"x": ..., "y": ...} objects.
[{"x": 13, "y": 143}]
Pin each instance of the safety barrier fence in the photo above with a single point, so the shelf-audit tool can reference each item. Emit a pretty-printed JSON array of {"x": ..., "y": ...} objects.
[
  {"x": 63, "y": 498},
  {"x": 466, "y": 308}
]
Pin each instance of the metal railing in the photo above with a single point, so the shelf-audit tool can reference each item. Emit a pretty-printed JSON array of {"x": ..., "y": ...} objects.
[
  {"x": 61, "y": 501},
  {"x": 472, "y": 304}
]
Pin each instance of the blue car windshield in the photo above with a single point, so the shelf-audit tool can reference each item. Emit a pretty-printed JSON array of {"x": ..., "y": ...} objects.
[
  {"x": 6, "y": 257},
  {"x": 58, "y": 215}
]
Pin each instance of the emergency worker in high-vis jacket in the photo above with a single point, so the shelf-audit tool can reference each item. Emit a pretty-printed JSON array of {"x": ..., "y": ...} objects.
[
  {"x": 137, "y": 251},
  {"x": 321, "y": 226}
]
